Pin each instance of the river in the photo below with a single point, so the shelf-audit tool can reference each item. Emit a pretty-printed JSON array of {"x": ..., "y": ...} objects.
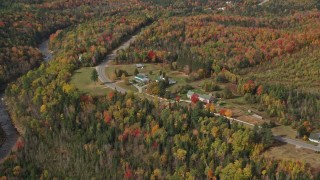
[
  {"x": 5, "y": 121},
  {"x": 8, "y": 128},
  {"x": 44, "y": 48}
]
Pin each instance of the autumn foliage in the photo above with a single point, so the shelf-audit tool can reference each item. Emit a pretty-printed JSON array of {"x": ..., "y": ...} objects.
[
  {"x": 194, "y": 98},
  {"x": 107, "y": 117}
]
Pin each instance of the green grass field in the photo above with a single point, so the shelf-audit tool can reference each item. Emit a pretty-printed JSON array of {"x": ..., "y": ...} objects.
[
  {"x": 81, "y": 80},
  {"x": 154, "y": 68},
  {"x": 128, "y": 87},
  {"x": 286, "y": 131}
]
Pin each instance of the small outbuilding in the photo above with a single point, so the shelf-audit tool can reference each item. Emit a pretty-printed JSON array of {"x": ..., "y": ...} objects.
[
  {"x": 140, "y": 66},
  {"x": 315, "y": 137},
  {"x": 142, "y": 78},
  {"x": 202, "y": 97},
  {"x": 170, "y": 80}
]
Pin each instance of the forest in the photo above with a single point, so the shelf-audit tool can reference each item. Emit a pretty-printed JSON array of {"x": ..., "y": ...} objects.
[
  {"x": 212, "y": 43},
  {"x": 69, "y": 134},
  {"x": 25, "y": 24}
]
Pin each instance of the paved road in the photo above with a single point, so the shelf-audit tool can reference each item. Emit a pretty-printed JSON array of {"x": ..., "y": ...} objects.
[
  {"x": 264, "y": 1},
  {"x": 108, "y": 83},
  {"x": 298, "y": 144},
  {"x": 10, "y": 131},
  {"x": 102, "y": 67}
]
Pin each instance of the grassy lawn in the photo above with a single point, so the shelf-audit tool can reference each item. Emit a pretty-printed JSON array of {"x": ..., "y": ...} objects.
[
  {"x": 128, "y": 87},
  {"x": 286, "y": 131},
  {"x": 154, "y": 68},
  {"x": 81, "y": 80}
]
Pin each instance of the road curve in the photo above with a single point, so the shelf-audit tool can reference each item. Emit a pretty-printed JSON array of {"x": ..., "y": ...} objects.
[
  {"x": 110, "y": 84},
  {"x": 102, "y": 67},
  {"x": 9, "y": 130}
]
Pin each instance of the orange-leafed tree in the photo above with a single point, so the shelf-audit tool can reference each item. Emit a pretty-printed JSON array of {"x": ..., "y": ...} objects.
[
  {"x": 222, "y": 112},
  {"x": 107, "y": 117},
  {"x": 260, "y": 90},
  {"x": 228, "y": 113},
  {"x": 110, "y": 95}
]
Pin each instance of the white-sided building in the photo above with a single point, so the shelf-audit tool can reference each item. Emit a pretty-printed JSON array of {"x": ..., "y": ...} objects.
[
  {"x": 314, "y": 137},
  {"x": 202, "y": 97},
  {"x": 142, "y": 78}
]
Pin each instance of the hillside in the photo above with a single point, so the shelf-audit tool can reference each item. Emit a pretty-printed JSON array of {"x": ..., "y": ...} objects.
[{"x": 251, "y": 70}]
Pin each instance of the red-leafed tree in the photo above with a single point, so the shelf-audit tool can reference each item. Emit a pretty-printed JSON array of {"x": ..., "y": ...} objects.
[
  {"x": 136, "y": 132},
  {"x": 110, "y": 95},
  {"x": 178, "y": 98},
  {"x": 222, "y": 112},
  {"x": 195, "y": 98},
  {"x": 123, "y": 20},
  {"x": 155, "y": 145},
  {"x": 2, "y": 24},
  {"x": 107, "y": 117},
  {"x": 128, "y": 173},
  {"x": 19, "y": 144},
  {"x": 260, "y": 90},
  {"x": 152, "y": 55}
]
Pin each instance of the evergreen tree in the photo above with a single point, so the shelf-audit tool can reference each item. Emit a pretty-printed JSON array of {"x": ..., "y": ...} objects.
[
  {"x": 94, "y": 75},
  {"x": 136, "y": 72}
]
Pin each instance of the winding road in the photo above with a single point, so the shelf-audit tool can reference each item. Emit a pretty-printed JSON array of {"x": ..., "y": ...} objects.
[
  {"x": 102, "y": 67},
  {"x": 110, "y": 84},
  {"x": 12, "y": 134}
]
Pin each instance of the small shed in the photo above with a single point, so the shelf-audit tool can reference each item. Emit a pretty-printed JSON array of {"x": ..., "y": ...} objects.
[
  {"x": 140, "y": 66},
  {"x": 257, "y": 116},
  {"x": 142, "y": 78},
  {"x": 202, "y": 97},
  {"x": 315, "y": 137}
]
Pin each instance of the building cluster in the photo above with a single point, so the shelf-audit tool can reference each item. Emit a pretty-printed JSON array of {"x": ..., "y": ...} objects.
[{"x": 144, "y": 79}]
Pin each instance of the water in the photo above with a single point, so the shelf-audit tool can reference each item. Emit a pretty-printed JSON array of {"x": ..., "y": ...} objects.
[
  {"x": 5, "y": 121},
  {"x": 8, "y": 128},
  {"x": 44, "y": 49}
]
